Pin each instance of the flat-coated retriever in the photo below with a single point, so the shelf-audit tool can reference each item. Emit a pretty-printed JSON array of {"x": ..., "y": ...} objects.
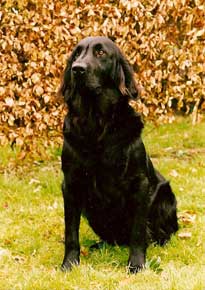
[{"x": 108, "y": 175}]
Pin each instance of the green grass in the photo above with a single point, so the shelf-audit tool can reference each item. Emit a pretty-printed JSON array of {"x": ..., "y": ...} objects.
[{"x": 32, "y": 226}]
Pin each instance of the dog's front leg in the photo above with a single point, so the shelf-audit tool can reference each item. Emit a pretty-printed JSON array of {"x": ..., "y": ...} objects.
[
  {"x": 72, "y": 214},
  {"x": 138, "y": 247},
  {"x": 138, "y": 237}
]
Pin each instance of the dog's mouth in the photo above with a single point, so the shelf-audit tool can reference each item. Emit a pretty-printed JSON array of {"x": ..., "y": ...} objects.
[
  {"x": 86, "y": 83},
  {"x": 88, "y": 89}
]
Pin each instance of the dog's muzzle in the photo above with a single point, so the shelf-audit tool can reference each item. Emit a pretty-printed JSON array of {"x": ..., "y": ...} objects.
[{"x": 79, "y": 69}]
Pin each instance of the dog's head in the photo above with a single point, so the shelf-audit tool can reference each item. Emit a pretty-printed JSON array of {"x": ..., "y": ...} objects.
[{"x": 97, "y": 64}]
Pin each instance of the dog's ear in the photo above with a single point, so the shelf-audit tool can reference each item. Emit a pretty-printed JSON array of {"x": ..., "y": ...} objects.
[
  {"x": 124, "y": 77},
  {"x": 67, "y": 86}
]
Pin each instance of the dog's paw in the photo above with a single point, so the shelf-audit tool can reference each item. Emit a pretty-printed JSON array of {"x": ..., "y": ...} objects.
[
  {"x": 66, "y": 267},
  {"x": 133, "y": 269},
  {"x": 136, "y": 263},
  {"x": 68, "y": 264}
]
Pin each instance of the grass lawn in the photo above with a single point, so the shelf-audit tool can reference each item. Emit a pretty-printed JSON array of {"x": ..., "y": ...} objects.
[{"x": 32, "y": 226}]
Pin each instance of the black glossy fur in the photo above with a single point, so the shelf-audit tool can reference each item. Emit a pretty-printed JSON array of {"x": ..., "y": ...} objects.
[{"x": 108, "y": 175}]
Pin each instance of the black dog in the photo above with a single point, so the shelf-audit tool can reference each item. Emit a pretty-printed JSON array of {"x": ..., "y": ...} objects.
[{"x": 107, "y": 174}]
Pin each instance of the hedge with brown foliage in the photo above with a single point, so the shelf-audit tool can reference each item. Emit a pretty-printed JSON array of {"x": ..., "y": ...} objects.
[{"x": 164, "y": 41}]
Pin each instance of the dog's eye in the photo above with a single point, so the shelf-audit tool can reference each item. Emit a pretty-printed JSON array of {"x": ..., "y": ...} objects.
[
  {"x": 77, "y": 54},
  {"x": 100, "y": 53}
]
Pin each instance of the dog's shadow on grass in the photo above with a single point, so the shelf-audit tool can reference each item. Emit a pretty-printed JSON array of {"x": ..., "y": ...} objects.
[{"x": 100, "y": 252}]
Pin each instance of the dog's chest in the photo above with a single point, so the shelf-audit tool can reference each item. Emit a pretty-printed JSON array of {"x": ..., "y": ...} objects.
[
  {"x": 105, "y": 191},
  {"x": 107, "y": 184},
  {"x": 104, "y": 160}
]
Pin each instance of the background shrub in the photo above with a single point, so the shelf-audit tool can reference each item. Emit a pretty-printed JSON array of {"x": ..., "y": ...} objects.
[{"x": 163, "y": 40}]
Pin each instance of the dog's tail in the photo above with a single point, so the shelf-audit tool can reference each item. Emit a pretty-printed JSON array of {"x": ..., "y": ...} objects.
[{"x": 162, "y": 215}]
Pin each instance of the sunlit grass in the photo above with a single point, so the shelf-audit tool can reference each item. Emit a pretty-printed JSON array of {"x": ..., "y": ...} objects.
[{"x": 31, "y": 218}]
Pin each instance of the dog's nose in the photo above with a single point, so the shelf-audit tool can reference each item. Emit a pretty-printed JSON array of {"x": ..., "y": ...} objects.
[{"x": 79, "y": 69}]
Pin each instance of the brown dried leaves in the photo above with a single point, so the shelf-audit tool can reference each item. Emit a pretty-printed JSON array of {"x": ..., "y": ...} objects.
[{"x": 164, "y": 41}]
